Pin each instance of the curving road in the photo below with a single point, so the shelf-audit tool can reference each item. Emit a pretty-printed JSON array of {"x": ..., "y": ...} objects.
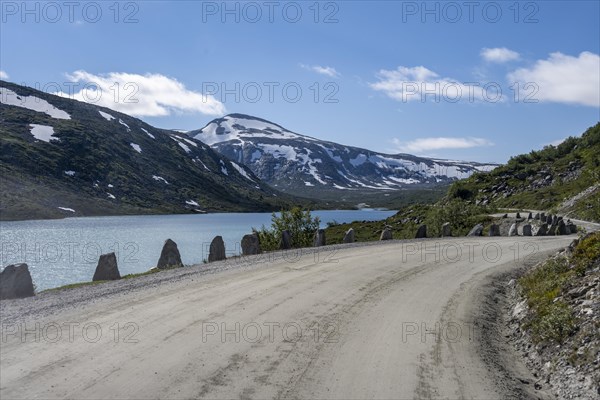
[{"x": 392, "y": 320}]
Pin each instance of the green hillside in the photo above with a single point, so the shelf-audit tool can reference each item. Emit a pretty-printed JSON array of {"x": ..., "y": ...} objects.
[{"x": 564, "y": 179}]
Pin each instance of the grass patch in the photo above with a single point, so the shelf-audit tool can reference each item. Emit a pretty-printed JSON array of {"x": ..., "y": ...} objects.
[
  {"x": 552, "y": 319},
  {"x": 149, "y": 272},
  {"x": 92, "y": 283},
  {"x": 73, "y": 286}
]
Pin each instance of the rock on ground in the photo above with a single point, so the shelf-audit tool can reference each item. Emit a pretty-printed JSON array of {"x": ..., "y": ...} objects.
[
  {"x": 286, "y": 240},
  {"x": 216, "y": 250},
  {"x": 446, "y": 230},
  {"x": 349, "y": 236},
  {"x": 107, "y": 269},
  {"x": 494, "y": 230},
  {"x": 16, "y": 282},
  {"x": 562, "y": 228},
  {"x": 319, "y": 239},
  {"x": 386, "y": 234},
  {"x": 421, "y": 232},
  {"x": 476, "y": 231},
  {"x": 543, "y": 231},
  {"x": 250, "y": 244},
  {"x": 169, "y": 256}
]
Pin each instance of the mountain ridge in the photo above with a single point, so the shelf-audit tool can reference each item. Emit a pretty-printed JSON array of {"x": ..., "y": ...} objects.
[
  {"x": 295, "y": 162},
  {"x": 61, "y": 157}
]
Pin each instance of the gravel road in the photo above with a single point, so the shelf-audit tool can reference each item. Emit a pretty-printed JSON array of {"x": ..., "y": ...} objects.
[{"x": 400, "y": 319}]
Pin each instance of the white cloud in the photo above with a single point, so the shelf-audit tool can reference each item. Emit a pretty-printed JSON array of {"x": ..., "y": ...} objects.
[
  {"x": 499, "y": 54},
  {"x": 150, "y": 95},
  {"x": 3, "y": 75},
  {"x": 421, "y": 84},
  {"x": 439, "y": 143},
  {"x": 327, "y": 71},
  {"x": 564, "y": 79}
]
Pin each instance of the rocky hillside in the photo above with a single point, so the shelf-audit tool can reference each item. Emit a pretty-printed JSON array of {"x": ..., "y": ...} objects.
[
  {"x": 555, "y": 320},
  {"x": 303, "y": 165},
  {"x": 60, "y": 157},
  {"x": 564, "y": 179}
]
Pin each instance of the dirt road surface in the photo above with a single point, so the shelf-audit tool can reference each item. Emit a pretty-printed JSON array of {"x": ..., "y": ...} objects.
[{"x": 394, "y": 320}]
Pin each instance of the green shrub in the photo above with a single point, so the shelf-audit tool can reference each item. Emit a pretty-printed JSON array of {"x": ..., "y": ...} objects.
[
  {"x": 462, "y": 217},
  {"x": 587, "y": 253},
  {"x": 300, "y": 223},
  {"x": 555, "y": 323}
]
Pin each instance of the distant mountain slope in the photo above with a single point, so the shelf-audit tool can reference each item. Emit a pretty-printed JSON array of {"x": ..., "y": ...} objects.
[
  {"x": 60, "y": 157},
  {"x": 299, "y": 164},
  {"x": 565, "y": 178}
]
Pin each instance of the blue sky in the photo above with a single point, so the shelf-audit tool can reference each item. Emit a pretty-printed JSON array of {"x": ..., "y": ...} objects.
[{"x": 391, "y": 76}]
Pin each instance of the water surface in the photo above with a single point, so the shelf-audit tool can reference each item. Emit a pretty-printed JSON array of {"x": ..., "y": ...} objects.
[{"x": 65, "y": 251}]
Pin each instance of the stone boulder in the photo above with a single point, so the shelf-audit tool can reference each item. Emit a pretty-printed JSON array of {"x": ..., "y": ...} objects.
[
  {"x": 319, "y": 239},
  {"x": 15, "y": 282},
  {"x": 169, "y": 256},
  {"x": 543, "y": 231},
  {"x": 421, "y": 232},
  {"x": 349, "y": 236},
  {"x": 386, "y": 234},
  {"x": 494, "y": 230},
  {"x": 250, "y": 244},
  {"x": 518, "y": 215},
  {"x": 513, "y": 230},
  {"x": 530, "y": 216},
  {"x": 216, "y": 250},
  {"x": 527, "y": 230},
  {"x": 446, "y": 230},
  {"x": 286, "y": 240},
  {"x": 572, "y": 228},
  {"x": 561, "y": 228},
  {"x": 543, "y": 217},
  {"x": 537, "y": 216},
  {"x": 107, "y": 269},
  {"x": 552, "y": 230},
  {"x": 505, "y": 216},
  {"x": 476, "y": 231}
]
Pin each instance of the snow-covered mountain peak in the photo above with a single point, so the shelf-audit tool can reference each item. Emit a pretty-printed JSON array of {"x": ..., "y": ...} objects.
[
  {"x": 294, "y": 162},
  {"x": 240, "y": 127}
]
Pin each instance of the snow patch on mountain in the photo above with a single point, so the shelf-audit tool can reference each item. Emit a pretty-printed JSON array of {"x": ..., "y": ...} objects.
[
  {"x": 197, "y": 160},
  {"x": 106, "y": 116},
  {"x": 33, "y": 103},
  {"x": 160, "y": 178},
  {"x": 136, "y": 147},
  {"x": 124, "y": 124},
  {"x": 148, "y": 133},
  {"x": 43, "y": 132},
  {"x": 224, "y": 168},
  {"x": 191, "y": 142},
  {"x": 235, "y": 127},
  {"x": 242, "y": 171}
]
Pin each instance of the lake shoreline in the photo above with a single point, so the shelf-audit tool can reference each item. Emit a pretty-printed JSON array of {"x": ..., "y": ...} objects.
[
  {"x": 66, "y": 251},
  {"x": 179, "y": 214}
]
